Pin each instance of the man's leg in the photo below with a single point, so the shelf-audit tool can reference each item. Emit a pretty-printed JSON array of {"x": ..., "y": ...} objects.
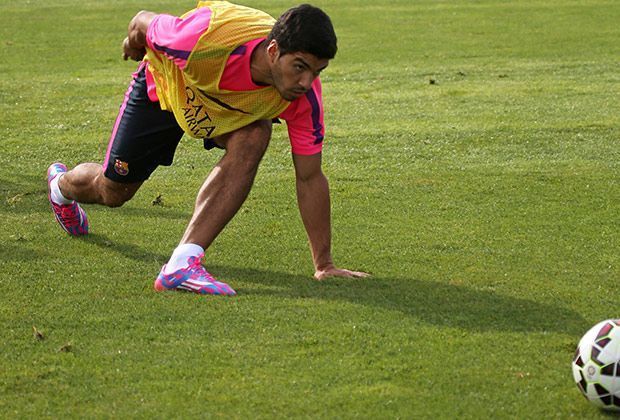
[
  {"x": 84, "y": 184},
  {"x": 229, "y": 183},
  {"x": 87, "y": 184},
  {"x": 218, "y": 200},
  {"x": 143, "y": 138}
]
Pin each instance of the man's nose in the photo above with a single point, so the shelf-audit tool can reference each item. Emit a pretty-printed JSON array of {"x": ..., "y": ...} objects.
[{"x": 306, "y": 81}]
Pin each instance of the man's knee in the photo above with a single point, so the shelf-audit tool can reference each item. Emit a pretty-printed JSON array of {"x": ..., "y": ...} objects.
[
  {"x": 250, "y": 141},
  {"x": 115, "y": 194},
  {"x": 258, "y": 133}
]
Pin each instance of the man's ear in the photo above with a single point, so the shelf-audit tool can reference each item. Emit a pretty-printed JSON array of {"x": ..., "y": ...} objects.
[{"x": 273, "y": 50}]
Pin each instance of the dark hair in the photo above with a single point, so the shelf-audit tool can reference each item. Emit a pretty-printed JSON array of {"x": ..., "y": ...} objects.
[{"x": 305, "y": 28}]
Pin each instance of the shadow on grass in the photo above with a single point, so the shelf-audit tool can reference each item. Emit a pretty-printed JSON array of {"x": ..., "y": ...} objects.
[
  {"x": 431, "y": 302},
  {"x": 17, "y": 251},
  {"x": 142, "y": 211},
  {"x": 127, "y": 250}
]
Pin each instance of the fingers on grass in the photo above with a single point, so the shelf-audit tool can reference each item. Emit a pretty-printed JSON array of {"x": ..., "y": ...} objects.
[
  {"x": 341, "y": 273},
  {"x": 360, "y": 274}
]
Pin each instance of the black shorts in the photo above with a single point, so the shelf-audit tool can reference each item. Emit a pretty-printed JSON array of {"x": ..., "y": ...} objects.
[{"x": 143, "y": 137}]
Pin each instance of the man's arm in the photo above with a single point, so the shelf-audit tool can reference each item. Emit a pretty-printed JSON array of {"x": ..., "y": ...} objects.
[
  {"x": 314, "y": 206},
  {"x": 134, "y": 46}
]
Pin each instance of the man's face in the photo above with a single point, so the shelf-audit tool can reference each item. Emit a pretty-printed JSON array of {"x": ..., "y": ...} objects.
[{"x": 293, "y": 73}]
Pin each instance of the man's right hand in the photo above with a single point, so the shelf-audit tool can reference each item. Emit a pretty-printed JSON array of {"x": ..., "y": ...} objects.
[
  {"x": 135, "y": 54},
  {"x": 134, "y": 46}
]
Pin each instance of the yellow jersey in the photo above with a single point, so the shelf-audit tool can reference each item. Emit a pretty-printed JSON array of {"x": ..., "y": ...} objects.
[{"x": 187, "y": 78}]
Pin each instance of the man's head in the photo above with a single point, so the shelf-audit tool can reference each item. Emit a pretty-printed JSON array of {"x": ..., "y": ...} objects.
[
  {"x": 300, "y": 46},
  {"x": 307, "y": 29}
]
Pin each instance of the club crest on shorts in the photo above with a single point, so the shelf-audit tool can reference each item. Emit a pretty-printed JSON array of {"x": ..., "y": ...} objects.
[{"x": 121, "y": 168}]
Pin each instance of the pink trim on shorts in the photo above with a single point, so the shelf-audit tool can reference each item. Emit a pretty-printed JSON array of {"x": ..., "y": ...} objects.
[{"x": 120, "y": 116}]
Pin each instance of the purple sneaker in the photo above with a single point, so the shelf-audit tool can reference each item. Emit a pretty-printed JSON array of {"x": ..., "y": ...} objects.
[
  {"x": 193, "y": 278},
  {"x": 71, "y": 217}
]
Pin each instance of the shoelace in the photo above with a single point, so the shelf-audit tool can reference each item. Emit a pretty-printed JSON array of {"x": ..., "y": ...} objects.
[
  {"x": 70, "y": 215},
  {"x": 195, "y": 264}
]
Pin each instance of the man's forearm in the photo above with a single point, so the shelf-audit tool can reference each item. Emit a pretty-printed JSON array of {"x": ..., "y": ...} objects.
[{"x": 314, "y": 206}]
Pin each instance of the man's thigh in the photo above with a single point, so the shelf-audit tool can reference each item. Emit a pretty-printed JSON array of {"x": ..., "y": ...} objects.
[{"x": 143, "y": 137}]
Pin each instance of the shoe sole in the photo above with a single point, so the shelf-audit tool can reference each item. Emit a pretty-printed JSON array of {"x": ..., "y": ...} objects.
[{"x": 159, "y": 287}]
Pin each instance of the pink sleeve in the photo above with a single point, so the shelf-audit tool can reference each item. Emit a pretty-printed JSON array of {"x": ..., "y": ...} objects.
[
  {"x": 304, "y": 120},
  {"x": 175, "y": 37}
]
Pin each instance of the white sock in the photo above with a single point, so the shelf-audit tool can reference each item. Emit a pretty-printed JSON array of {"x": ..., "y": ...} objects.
[
  {"x": 180, "y": 255},
  {"x": 55, "y": 193}
]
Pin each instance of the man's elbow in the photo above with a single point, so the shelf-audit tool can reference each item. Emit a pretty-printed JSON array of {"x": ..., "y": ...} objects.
[{"x": 139, "y": 25}]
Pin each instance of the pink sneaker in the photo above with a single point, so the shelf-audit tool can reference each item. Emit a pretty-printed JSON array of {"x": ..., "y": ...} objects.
[
  {"x": 71, "y": 217},
  {"x": 193, "y": 278}
]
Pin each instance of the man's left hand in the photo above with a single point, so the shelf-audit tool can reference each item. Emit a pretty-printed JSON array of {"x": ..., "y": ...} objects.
[{"x": 338, "y": 272}]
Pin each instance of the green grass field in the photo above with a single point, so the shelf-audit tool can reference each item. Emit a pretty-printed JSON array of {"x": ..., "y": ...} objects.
[{"x": 473, "y": 152}]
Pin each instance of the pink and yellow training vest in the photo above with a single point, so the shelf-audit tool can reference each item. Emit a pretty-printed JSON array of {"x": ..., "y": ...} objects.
[{"x": 191, "y": 91}]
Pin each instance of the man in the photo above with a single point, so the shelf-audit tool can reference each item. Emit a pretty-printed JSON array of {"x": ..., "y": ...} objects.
[{"x": 220, "y": 73}]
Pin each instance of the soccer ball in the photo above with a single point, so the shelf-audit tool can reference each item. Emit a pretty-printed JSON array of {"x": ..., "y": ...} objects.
[{"x": 596, "y": 365}]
